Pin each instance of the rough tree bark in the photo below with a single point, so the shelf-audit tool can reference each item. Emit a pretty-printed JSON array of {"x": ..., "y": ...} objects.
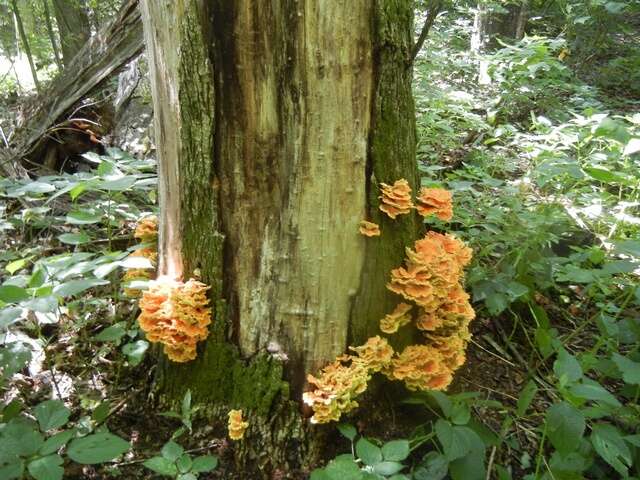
[
  {"x": 73, "y": 26},
  {"x": 275, "y": 123}
]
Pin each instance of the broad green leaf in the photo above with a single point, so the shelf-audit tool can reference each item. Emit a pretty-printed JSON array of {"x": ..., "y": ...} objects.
[
  {"x": 186, "y": 476},
  {"x": 46, "y": 468},
  {"x": 12, "y": 410},
  {"x": 204, "y": 463},
  {"x": 496, "y": 303},
  {"x": 12, "y": 470},
  {"x": 101, "y": 412},
  {"x": 343, "y": 468},
  {"x": 604, "y": 175},
  {"x": 16, "y": 265},
  {"x": 51, "y": 414},
  {"x": 610, "y": 445},
  {"x": 105, "y": 269},
  {"x": 470, "y": 466},
  {"x": 171, "y": 451},
  {"x": 630, "y": 370},
  {"x": 83, "y": 217},
  {"x": 13, "y": 294},
  {"x": 111, "y": 334},
  {"x": 184, "y": 463},
  {"x": 96, "y": 448},
  {"x": 369, "y": 453},
  {"x": 42, "y": 304},
  {"x": 135, "y": 262},
  {"x": 515, "y": 290},
  {"x": 118, "y": 184},
  {"x": 613, "y": 129},
  {"x": 21, "y": 437},
  {"x": 387, "y": 468},
  {"x": 347, "y": 431},
  {"x": 395, "y": 450},
  {"x": 568, "y": 465},
  {"x": 526, "y": 397},
  {"x": 37, "y": 278},
  {"x": 632, "y": 147},
  {"x": 13, "y": 357},
  {"x": 162, "y": 466},
  {"x": 434, "y": 466},
  {"x": 592, "y": 390},
  {"x": 443, "y": 402},
  {"x": 10, "y": 315},
  {"x": 628, "y": 247},
  {"x": 93, "y": 157},
  {"x": 37, "y": 187},
  {"x": 53, "y": 443},
  {"x": 566, "y": 366},
  {"x": 74, "y": 238},
  {"x": 78, "y": 189},
  {"x": 460, "y": 413},
  {"x": 452, "y": 439},
  {"x": 565, "y": 426},
  {"x": 135, "y": 351},
  {"x": 73, "y": 287}
]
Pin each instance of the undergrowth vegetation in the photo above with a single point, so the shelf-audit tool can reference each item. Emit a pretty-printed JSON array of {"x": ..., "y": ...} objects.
[{"x": 544, "y": 166}]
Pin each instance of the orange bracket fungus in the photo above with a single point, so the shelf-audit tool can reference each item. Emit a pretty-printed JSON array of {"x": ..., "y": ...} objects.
[
  {"x": 421, "y": 367},
  {"x": 176, "y": 314},
  {"x": 431, "y": 279},
  {"x": 435, "y": 201},
  {"x": 147, "y": 229},
  {"x": 369, "y": 229},
  {"x": 334, "y": 392},
  {"x": 396, "y": 198},
  {"x": 236, "y": 425},
  {"x": 396, "y": 319}
]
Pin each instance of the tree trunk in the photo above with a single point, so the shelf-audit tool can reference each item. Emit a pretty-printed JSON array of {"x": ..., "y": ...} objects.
[
  {"x": 73, "y": 25},
  {"x": 507, "y": 23},
  {"x": 275, "y": 123},
  {"x": 52, "y": 37},
  {"x": 25, "y": 43}
]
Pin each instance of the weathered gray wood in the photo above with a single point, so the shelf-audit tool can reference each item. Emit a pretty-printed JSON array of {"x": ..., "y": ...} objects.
[{"x": 103, "y": 55}]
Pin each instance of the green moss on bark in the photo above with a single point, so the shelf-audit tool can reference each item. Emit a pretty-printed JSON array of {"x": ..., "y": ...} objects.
[{"x": 392, "y": 155}]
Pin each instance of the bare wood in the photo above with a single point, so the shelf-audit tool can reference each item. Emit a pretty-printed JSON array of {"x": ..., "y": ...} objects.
[{"x": 102, "y": 55}]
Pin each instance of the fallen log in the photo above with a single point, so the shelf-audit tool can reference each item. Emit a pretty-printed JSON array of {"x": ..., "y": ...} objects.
[{"x": 103, "y": 55}]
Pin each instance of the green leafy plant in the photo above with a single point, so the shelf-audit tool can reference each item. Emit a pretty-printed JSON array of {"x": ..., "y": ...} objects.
[
  {"x": 34, "y": 448},
  {"x": 185, "y": 415},
  {"x": 176, "y": 463},
  {"x": 367, "y": 460}
]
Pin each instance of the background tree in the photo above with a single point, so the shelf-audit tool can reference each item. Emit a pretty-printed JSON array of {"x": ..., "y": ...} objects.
[
  {"x": 275, "y": 125},
  {"x": 25, "y": 42},
  {"x": 73, "y": 26},
  {"x": 52, "y": 36}
]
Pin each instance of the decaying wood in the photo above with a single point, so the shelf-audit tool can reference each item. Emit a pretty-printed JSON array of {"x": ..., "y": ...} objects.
[{"x": 104, "y": 54}]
